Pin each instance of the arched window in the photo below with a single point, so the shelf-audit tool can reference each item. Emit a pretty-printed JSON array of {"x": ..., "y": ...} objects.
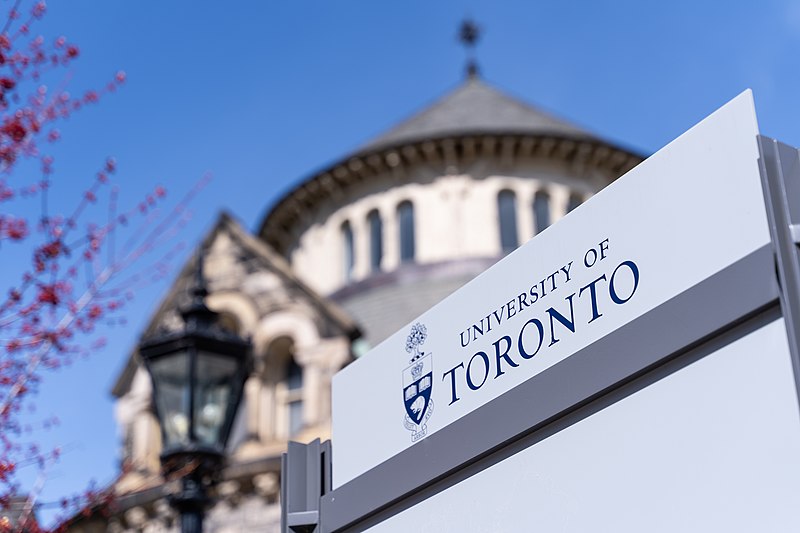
[
  {"x": 405, "y": 219},
  {"x": 294, "y": 376},
  {"x": 375, "y": 240},
  {"x": 348, "y": 251},
  {"x": 574, "y": 201},
  {"x": 541, "y": 211},
  {"x": 294, "y": 397},
  {"x": 281, "y": 415},
  {"x": 507, "y": 213}
]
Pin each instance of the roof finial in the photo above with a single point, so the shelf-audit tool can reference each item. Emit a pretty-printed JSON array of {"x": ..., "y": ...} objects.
[{"x": 468, "y": 34}]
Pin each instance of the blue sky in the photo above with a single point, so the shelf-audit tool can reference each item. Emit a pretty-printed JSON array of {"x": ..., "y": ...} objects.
[{"x": 264, "y": 93}]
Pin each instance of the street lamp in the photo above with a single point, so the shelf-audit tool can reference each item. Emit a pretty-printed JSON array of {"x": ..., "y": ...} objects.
[{"x": 198, "y": 375}]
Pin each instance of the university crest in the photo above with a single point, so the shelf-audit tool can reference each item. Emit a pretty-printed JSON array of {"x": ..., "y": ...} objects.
[{"x": 418, "y": 383}]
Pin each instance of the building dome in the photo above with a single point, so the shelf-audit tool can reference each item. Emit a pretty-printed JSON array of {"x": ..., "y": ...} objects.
[{"x": 396, "y": 226}]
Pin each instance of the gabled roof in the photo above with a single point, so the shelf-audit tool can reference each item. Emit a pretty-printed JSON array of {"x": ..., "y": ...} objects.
[
  {"x": 267, "y": 259},
  {"x": 474, "y": 108}
]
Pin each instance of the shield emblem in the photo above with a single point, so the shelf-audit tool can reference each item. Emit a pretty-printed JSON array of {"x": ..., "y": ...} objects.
[{"x": 417, "y": 385}]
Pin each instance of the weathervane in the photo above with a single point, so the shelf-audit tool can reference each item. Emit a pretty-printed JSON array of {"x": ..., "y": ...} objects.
[{"x": 468, "y": 35}]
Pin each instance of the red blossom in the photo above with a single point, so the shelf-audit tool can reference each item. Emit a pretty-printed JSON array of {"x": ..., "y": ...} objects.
[
  {"x": 14, "y": 228},
  {"x": 6, "y": 468},
  {"x": 7, "y": 155},
  {"x": 51, "y": 250},
  {"x": 15, "y": 130},
  {"x": 48, "y": 295},
  {"x": 39, "y": 10}
]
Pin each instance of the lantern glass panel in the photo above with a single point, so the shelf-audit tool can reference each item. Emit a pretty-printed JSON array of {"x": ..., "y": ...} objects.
[
  {"x": 171, "y": 383},
  {"x": 213, "y": 394}
]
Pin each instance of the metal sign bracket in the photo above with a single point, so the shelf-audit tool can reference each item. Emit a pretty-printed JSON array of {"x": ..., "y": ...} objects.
[
  {"x": 305, "y": 478},
  {"x": 780, "y": 177}
]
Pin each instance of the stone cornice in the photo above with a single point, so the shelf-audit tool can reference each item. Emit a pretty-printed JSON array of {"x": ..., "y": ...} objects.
[{"x": 451, "y": 152}]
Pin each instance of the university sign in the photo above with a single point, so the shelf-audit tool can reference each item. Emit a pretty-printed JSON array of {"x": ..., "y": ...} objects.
[
  {"x": 488, "y": 356},
  {"x": 637, "y": 243},
  {"x": 604, "y": 367},
  {"x": 557, "y": 321}
]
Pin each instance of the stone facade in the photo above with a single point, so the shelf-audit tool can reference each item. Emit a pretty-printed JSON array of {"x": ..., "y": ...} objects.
[{"x": 259, "y": 297}]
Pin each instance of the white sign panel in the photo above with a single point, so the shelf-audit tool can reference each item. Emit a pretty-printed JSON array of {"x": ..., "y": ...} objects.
[{"x": 682, "y": 215}]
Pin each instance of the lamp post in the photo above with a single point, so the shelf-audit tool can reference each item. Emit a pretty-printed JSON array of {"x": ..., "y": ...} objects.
[{"x": 198, "y": 374}]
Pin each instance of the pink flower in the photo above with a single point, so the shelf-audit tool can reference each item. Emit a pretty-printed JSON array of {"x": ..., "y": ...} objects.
[{"x": 15, "y": 130}]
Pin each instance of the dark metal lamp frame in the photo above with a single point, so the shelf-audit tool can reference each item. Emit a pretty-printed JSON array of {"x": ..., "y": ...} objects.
[{"x": 197, "y": 463}]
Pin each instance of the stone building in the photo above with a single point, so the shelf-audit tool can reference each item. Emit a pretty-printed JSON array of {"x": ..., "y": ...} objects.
[{"x": 349, "y": 256}]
